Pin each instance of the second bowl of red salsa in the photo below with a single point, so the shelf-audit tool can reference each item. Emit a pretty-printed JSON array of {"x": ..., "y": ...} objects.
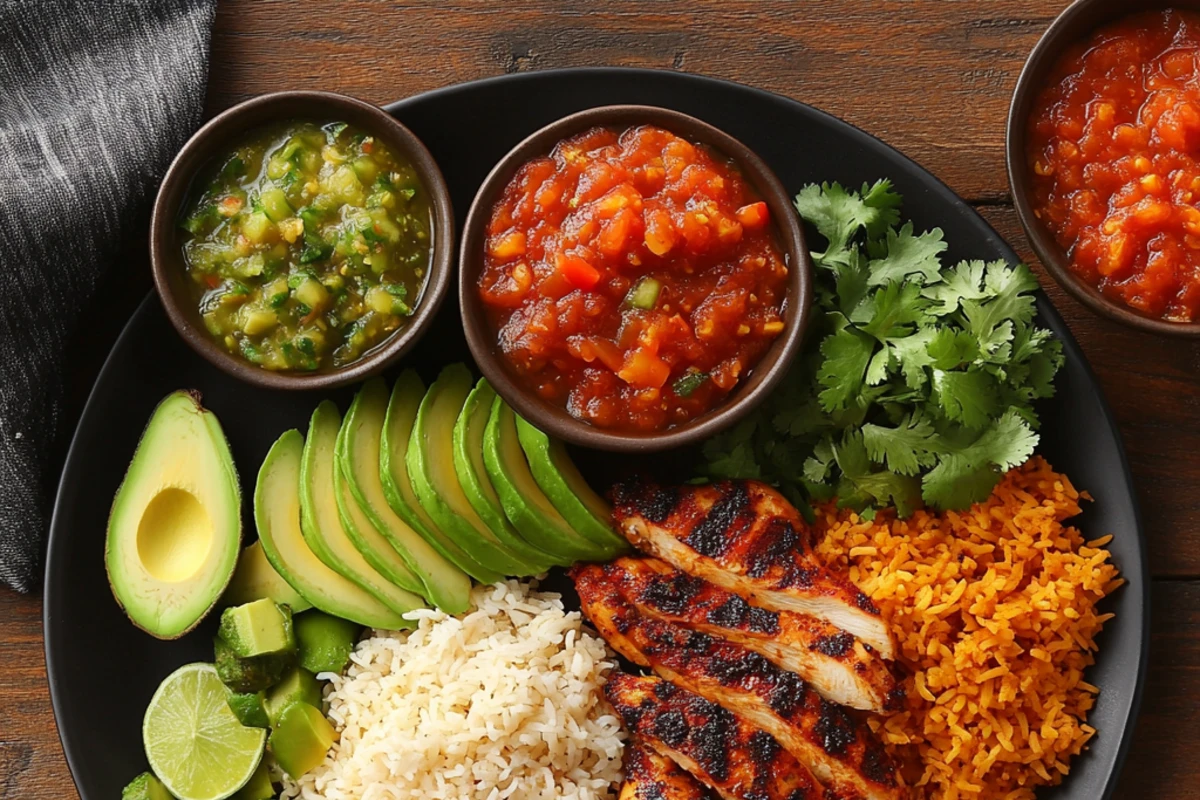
[{"x": 633, "y": 277}]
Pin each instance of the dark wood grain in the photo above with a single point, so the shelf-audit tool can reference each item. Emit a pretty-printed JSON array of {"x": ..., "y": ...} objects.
[{"x": 931, "y": 77}]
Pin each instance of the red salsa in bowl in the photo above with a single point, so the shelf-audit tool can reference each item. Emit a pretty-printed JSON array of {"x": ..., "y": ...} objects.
[
  {"x": 1114, "y": 161},
  {"x": 632, "y": 277}
]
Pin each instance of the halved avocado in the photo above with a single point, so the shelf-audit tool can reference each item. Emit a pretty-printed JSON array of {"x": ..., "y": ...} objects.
[
  {"x": 321, "y": 523},
  {"x": 477, "y": 486},
  {"x": 397, "y": 487},
  {"x": 561, "y": 481},
  {"x": 445, "y": 585},
  {"x": 277, "y": 515},
  {"x": 431, "y": 467},
  {"x": 255, "y": 579},
  {"x": 175, "y": 529},
  {"x": 524, "y": 502}
]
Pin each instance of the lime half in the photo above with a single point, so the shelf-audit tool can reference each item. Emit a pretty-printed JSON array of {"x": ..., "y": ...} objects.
[{"x": 194, "y": 743}]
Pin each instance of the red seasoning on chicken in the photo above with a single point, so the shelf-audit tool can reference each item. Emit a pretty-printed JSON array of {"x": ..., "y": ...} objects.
[
  {"x": 649, "y": 775},
  {"x": 632, "y": 277},
  {"x": 746, "y": 538}
]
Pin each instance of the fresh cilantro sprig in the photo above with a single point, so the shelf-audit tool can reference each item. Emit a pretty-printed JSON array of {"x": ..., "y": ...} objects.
[{"x": 919, "y": 382}]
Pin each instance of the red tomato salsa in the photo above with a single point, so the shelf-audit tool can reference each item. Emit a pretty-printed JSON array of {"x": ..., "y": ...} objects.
[
  {"x": 1114, "y": 147},
  {"x": 633, "y": 277}
]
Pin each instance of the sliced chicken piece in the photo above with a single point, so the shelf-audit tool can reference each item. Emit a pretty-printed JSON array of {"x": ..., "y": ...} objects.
[
  {"x": 832, "y": 742},
  {"x": 838, "y": 665},
  {"x": 724, "y": 752},
  {"x": 745, "y": 537},
  {"x": 649, "y": 775}
]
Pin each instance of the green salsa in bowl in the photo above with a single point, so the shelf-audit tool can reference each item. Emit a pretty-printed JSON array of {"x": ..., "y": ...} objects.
[{"x": 302, "y": 240}]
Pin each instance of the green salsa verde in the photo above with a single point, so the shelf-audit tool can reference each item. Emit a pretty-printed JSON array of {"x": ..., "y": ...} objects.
[{"x": 309, "y": 246}]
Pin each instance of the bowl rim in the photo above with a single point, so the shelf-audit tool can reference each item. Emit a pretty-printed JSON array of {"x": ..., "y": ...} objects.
[
  {"x": 767, "y": 372},
  {"x": 1075, "y": 22},
  {"x": 216, "y": 135}
]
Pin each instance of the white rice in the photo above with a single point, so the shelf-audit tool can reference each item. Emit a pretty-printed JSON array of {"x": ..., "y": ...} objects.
[{"x": 505, "y": 702}]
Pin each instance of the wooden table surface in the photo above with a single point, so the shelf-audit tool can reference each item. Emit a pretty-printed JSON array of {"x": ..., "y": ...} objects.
[{"x": 930, "y": 77}]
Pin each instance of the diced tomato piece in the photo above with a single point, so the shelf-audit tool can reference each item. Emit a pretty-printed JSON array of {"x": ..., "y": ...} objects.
[
  {"x": 754, "y": 216},
  {"x": 580, "y": 273},
  {"x": 644, "y": 370},
  {"x": 616, "y": 232}
]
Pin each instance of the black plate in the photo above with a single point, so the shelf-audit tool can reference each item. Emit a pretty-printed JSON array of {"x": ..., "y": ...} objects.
[{"x": 103, "y": 671}]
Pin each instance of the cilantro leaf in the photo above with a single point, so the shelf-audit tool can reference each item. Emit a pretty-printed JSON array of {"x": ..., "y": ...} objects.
[
  {"x": 908, "y": 256},
  {"x": 847, "y": 354},
  {"x": 967, "y": 397}
]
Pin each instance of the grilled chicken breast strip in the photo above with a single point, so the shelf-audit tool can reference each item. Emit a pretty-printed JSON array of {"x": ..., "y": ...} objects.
[
  {"x": 723, "y": 752},
  {"x": 838, "y": 665},
  {"x": 835, "y": 744},
  {"x": 746, "y": 538},
  {"x": 649, "y": 775}
]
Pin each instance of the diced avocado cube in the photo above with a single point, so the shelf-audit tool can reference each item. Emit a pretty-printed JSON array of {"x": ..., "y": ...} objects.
[
  {"x": 298, "y": 686},
  {"x": 275, "y": 204},
  {"x": 250, "y": 708},
  {"x": 259, "y": 786},
  {"x": 301, "y": 738},
  {"x": 311, "y": 292},
  {"x": 146, "y": 787},
  {"x": 258, "y": 320},
  {"x": 325, "y": 641},
  {"x": 365, "y": 168},
  {"x": 249, "y": 674},
  {"x": 257, "y": 629}
]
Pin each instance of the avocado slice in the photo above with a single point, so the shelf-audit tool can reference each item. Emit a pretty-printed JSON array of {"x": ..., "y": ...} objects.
[
  {"x": 397, "y": 486},
  {"x": 561, "y": 481},
  {"x": 258, "y": 629},
  {"x": 321, "y": 523},
  {"x": 367, "y": 539},
  {"x": 431, "y": 467},
  {"x": 445, "y": 585},
  {"x": 175, "y": 529},
  {"x": 297, "y": 686},
  {"x": 301, "y": 739},
  {"x": 325, "y": 642},
  {"x": 277, "y": 515},
  {"x": 523, "y": 500},
  {"x": 477, "y": 485},
  {"x": 255, "y": 579},
  {"x": 259, "y": 786}
]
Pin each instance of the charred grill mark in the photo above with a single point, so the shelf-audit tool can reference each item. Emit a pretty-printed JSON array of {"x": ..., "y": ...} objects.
[
  {"x": 788, "y": 694},
  {"x": 672, "y": 594},
  {"x": 653, "y": 502},
  {"x": 760, "y": 620},
  {"x": 896, "y": 698},
  {"x": 876, "y": 766},
  {"x": 763, "y": 748},
  {"x": 711, "y": 739},
  {"x": 671, "y": 728},
  {"x": 864, "y": 603},
  {"x": 711, "y": 536},
  {"x": 835, "y": 729},
  {"x": 775, "y": 546},
  {"x": 835, "y": 646}
]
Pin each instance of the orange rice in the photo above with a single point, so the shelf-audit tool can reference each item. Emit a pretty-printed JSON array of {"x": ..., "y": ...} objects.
[{"x": 994, "y": 610}]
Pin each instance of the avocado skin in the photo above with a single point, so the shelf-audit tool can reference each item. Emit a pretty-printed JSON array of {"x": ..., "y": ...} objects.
[
  {"x": 146, "y": 787},
  {"x": 249, "y": 674},
  {"x": 249, "y": 708},
  {"x": 325, "y": 642},
  {"x": 301, "y": 738},
  {"x": 234, "y": 619}
]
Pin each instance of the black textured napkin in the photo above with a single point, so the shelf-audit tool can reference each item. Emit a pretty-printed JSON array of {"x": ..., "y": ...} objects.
[{"x": 95, "y": 99}]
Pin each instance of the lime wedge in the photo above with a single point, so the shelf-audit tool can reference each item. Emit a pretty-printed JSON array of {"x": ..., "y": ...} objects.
[{"x": 194, "y": 743}]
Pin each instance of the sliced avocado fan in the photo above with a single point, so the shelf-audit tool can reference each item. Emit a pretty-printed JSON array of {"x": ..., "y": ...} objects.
[
  {"x": 445, "y": 585},
  {"x": 320, "y": 521},
  {"x": 431, "y": 467},
  {"x": 477, "y": 486},
  {"x": 277, "y": 515},
  {"x": 397, "y": 486}
]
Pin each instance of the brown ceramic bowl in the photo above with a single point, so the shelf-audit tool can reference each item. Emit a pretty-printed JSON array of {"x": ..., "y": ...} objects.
[
  {"x": 1072, "y": 25},
  {"x": 214, "y": 140},
  {"x": 766, "y": 373}
]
